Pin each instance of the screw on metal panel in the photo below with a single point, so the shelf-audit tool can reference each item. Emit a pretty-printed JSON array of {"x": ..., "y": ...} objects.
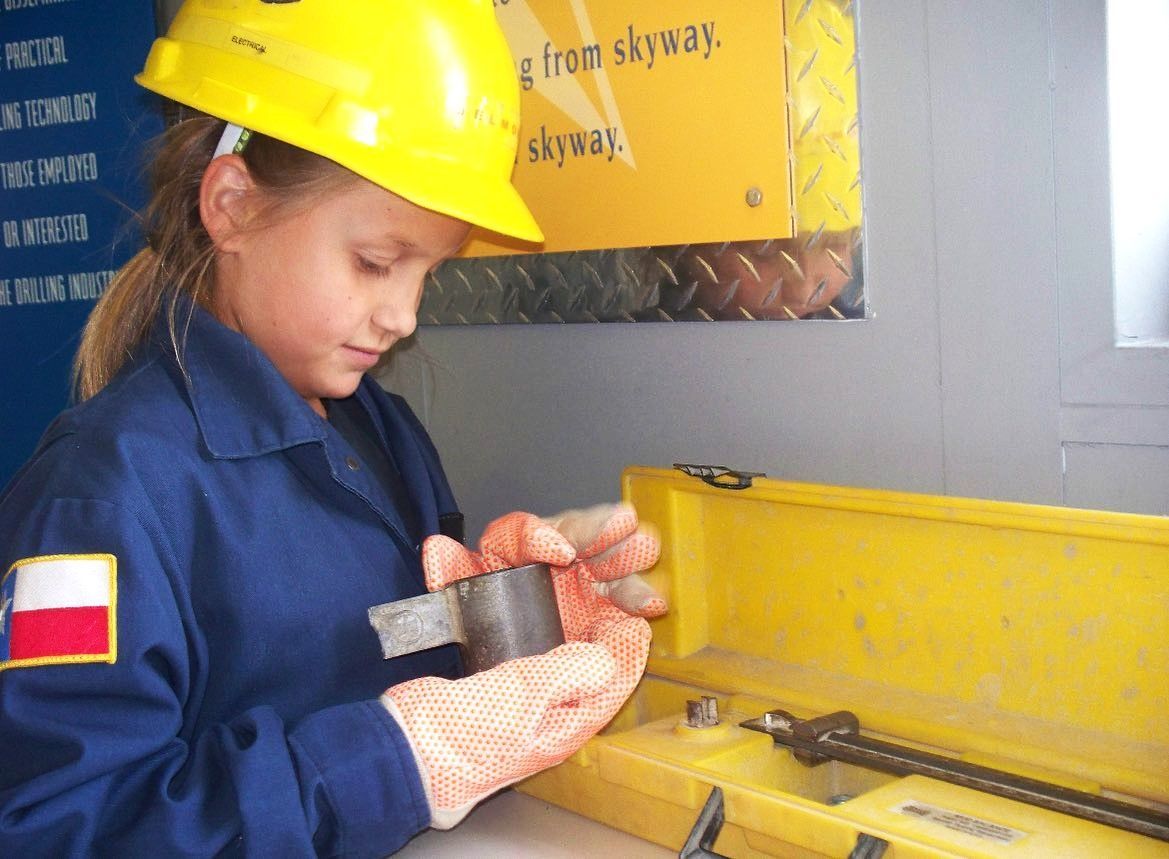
[{"x": 754, "y": 197}]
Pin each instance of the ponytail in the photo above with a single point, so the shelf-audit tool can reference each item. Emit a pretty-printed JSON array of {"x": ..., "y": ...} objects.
[{"x": 175, "y": 261}]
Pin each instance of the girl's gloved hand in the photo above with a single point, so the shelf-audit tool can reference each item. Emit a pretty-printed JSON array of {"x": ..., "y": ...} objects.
[
  {"x": 473, "y": 736},
  {"x": 595, "y": 555}
]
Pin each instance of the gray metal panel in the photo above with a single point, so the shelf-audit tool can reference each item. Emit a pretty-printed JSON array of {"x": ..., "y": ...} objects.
[
  {"x": 1132, "y": 478},
  {"x": 995, "y": 225}
]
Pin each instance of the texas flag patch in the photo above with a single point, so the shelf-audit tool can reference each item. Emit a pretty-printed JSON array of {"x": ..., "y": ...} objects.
[{"x": 59, "y": 610}]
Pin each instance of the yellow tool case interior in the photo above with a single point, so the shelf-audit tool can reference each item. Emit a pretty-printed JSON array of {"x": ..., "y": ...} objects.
[{"x": 1025, "y": 640}]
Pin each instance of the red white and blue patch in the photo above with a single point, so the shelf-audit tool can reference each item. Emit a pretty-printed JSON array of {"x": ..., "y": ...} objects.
[{"x": 59, "y": 610}]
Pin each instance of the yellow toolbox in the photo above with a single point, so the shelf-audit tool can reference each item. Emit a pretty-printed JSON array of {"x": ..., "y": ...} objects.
[{"x": 1014, "y": 657}]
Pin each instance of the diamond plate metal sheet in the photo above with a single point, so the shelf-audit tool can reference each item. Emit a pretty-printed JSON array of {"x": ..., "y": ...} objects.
[{"x": 816, "y": 275}]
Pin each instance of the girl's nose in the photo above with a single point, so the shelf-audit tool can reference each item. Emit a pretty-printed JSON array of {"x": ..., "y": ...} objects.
[{"x": 397, "y": 312}]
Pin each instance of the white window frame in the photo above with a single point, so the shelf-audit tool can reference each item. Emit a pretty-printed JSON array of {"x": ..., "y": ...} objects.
[{"x": 1110, "y": 392}]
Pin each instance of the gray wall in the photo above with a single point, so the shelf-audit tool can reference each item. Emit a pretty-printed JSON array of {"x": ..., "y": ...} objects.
[{"x": 980, "y": 225}]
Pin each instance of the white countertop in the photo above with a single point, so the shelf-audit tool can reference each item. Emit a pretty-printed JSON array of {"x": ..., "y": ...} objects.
[{"x": 515, "y": 825}]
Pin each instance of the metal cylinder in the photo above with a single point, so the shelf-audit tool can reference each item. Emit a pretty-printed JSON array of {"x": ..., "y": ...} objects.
[
  {"x": 493, "y": 617},
  {"x": 508, "y": 614}
]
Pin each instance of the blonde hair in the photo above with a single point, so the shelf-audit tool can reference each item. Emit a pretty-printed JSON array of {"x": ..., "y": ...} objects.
[{"x": 178, "y": 260}]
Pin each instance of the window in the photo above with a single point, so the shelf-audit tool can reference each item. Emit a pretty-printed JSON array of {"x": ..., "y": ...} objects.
[
  {"x": 1138, "y": 130},
  {"x": 1095, "y": 371}
]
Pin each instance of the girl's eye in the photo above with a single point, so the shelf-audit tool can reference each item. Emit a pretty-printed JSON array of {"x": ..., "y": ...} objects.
[{"x": 370, "y": 267}]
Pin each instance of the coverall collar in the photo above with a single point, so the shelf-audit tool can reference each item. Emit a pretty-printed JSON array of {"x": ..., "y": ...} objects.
[{"x": 243, "y": 406}]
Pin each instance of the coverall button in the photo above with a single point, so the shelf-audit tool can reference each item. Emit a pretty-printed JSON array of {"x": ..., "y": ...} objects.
[{"x": 353, "y": 464}]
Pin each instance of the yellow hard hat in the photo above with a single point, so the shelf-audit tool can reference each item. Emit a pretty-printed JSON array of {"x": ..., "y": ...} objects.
[{"x": 418, "y": 96}]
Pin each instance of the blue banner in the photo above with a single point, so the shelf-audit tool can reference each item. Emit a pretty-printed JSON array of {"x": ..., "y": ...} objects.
[{"x": 72, "y": 129}]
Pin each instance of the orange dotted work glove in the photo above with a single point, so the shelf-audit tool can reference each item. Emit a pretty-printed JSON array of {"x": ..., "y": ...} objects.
[
  {"x": 473, "y": 736},
  {"x": 595, "y": 555}
]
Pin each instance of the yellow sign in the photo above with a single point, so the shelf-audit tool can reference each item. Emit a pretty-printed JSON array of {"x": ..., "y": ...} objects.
[{"x": 661, "y": 122}]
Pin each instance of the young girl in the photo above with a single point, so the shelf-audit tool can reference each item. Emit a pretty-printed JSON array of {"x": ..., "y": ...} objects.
[{"x": 186, "y": 667}]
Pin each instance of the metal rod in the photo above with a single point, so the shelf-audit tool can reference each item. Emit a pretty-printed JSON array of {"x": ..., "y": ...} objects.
[{"x": 901, "y": 760}]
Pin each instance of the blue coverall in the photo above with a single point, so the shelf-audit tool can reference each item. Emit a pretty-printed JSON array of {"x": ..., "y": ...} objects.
[{"x": 241, "y": 713}]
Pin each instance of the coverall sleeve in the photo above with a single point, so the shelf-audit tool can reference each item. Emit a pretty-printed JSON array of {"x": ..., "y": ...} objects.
[{"x": 104, "y": 759}]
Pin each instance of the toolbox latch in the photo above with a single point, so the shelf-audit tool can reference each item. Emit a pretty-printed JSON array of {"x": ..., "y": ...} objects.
[{"x": 719, "y": 476}]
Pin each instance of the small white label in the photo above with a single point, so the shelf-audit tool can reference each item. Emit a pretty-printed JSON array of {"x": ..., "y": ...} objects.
[{"x": 959, "y": 822}]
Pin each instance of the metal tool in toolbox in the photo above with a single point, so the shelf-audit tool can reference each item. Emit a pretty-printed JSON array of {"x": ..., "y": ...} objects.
[
  {"x": 837, "y": 736},
  {"x": 1009, "y": 664},
  {"x": 493, "y": 618}
]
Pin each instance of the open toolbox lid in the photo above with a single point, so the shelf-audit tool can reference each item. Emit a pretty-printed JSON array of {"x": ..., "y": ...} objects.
[{"x": 1028, "y": 639}]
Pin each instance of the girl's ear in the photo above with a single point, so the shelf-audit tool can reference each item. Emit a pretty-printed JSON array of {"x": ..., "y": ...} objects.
[{"x": 226, "y": 194}]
